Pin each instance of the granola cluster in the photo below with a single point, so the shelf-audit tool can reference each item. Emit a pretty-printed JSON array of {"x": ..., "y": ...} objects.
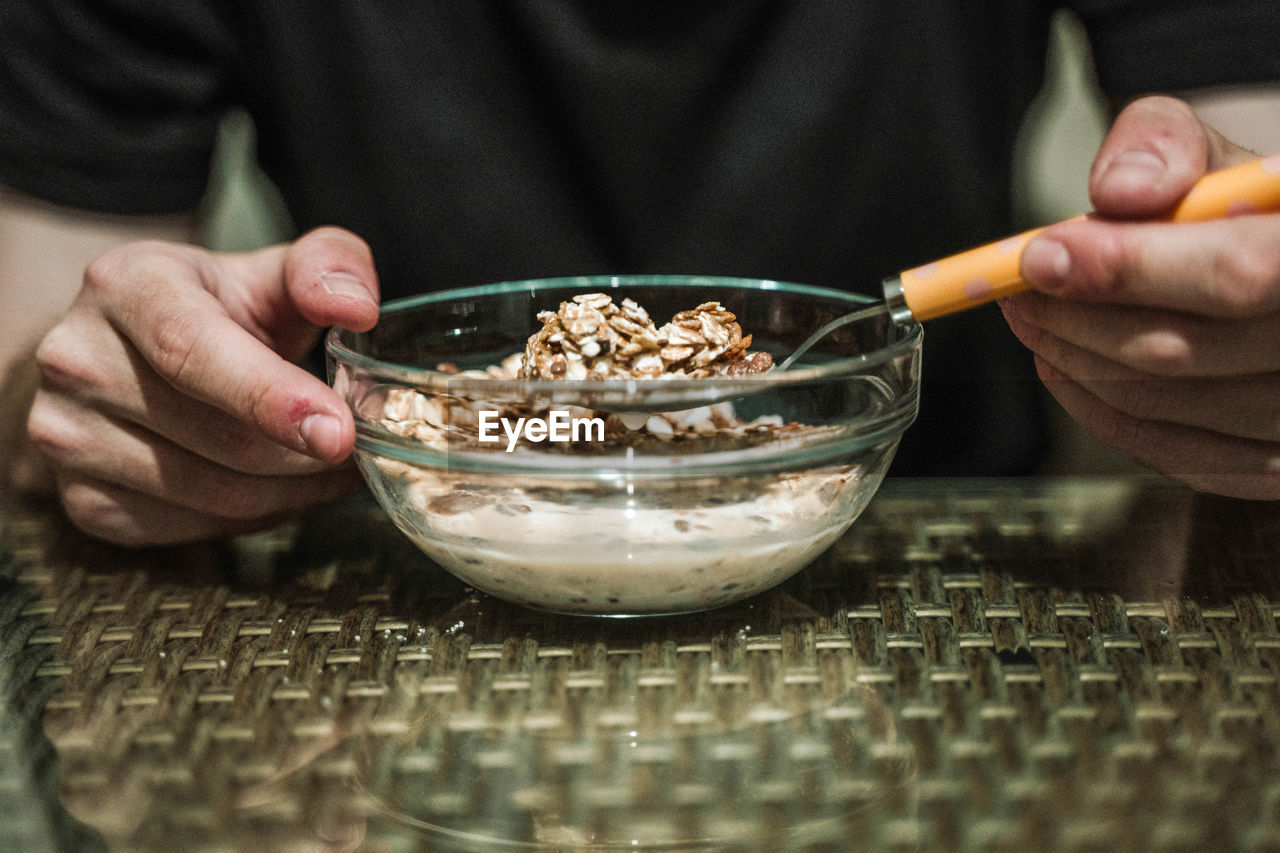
[
  {"x": 445, "y": 421},
  {"x": 591, "y": 337}
]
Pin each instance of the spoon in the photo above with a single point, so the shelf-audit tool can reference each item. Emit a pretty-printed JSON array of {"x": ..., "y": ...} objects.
[
  {"x": 991, "y": 272},
  {"x": 826, "y": 329}
]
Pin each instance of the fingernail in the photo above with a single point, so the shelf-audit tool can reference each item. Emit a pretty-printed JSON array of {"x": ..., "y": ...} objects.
[
  {"x": 1045, "y": 263},
  {"x": 322, "y": 435},
  {"x": 345, "y": 284},
  {"x": 1137, "y": 166}
]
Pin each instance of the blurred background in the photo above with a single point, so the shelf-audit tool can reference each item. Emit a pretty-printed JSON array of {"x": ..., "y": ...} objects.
[{"x": 1057, "y": 143}]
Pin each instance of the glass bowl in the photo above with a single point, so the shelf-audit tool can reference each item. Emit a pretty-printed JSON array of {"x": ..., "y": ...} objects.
[{"x": 643, "y": 496}]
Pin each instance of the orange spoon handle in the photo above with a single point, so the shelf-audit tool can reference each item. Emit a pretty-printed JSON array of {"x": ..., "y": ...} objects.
[{"x": 989, "y": 272}]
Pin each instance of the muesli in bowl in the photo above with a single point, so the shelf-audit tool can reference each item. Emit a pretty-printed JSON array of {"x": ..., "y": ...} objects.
[{"x": 552, "y": 444}]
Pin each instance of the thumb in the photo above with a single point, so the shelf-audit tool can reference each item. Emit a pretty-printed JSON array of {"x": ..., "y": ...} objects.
[
  {"x": 1155, "y": 151},
  {"x": 330, "y": 278},
  {"x": 286, "y": 294}
]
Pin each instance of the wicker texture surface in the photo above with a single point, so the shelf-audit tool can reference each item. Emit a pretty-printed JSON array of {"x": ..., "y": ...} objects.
[{"x": 972, "y": 667}]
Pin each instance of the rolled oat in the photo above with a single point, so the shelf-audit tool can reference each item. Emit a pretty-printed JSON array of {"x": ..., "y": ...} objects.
[{"x": 591, "y": 337}]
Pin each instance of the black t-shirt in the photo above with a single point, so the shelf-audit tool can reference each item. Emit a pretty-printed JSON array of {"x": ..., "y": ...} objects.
[{"x": 829, "y": 142}]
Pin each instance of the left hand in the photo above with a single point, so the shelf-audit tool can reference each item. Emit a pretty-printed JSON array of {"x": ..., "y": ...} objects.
[{"x": 1161, "y": 339}]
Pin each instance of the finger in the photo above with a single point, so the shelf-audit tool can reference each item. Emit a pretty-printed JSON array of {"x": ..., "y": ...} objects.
[
  {"x": 123, "y": 517},
  {"x": 98, "y": 447},
  {"x": 1205, "y": 460},
  {"x": 330, "y": 276},
  {"x": 156, "y": 300},
  {"x": 1152, "y": 340},
  {"x": 1241, "y": 407},
  {"x": 86, "y": 360},
  {"x": 326, "y": 278},
  {"x": 1225, "y": 268},
  {"x": 1153, "y": 154}
]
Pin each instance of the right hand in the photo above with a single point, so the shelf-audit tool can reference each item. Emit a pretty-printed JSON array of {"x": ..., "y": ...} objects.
[{"x": 169, "y": 407}]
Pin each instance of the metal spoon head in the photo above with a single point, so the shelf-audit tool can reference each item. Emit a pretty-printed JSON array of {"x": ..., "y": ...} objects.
[
  {"x": 826, "y": 329},
  {"x": 709, "y": 392}
]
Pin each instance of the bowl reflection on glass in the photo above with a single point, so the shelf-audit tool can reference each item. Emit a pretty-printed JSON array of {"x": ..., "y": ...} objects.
[{"x": 667, "y": 495}]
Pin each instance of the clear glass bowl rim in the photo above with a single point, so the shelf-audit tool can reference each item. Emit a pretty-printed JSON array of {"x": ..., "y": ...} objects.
[
  {"x": 887, "y": 426},
  {"x": 426, "y": 378}
]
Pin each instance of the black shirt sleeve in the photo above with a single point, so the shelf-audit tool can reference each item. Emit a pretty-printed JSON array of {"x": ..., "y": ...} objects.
[
  {"x": 1146, "y": 46},
  {"x": 111, "y": 105}
]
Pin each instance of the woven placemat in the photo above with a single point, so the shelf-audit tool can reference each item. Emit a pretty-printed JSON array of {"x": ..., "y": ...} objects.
[{"x": 975, "y": 666}]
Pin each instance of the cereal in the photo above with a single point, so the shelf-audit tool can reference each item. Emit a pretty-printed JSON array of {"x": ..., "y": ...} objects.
[
  {"x": 587, "y": 546},
  {"x": 590, "y": 337}
]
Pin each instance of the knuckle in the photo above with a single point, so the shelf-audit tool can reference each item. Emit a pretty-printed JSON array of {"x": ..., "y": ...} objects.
[
  {"x": 258, "y": 399},
  {"x": 61, "y": 362},
  {"x": 1119, "y": 262},
  {"x": 174, "y": 339},
  {"x": 253, "y": 404},
  {"x": 116, "y": 267},
  {"x": 50, "y": 433},
  {"x": 92, "y": 510},
  {"x": 1161, "y": 352},
  {"x": 1104, "y": 260},
  {"x": 103, "y": 273},
  {"x": 1250, "y": 281}
]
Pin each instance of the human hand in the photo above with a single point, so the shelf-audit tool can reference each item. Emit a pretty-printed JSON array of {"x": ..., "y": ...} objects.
[
  {"x": 1161, "y": 339},
  {"x": 169, "y": 408}
]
